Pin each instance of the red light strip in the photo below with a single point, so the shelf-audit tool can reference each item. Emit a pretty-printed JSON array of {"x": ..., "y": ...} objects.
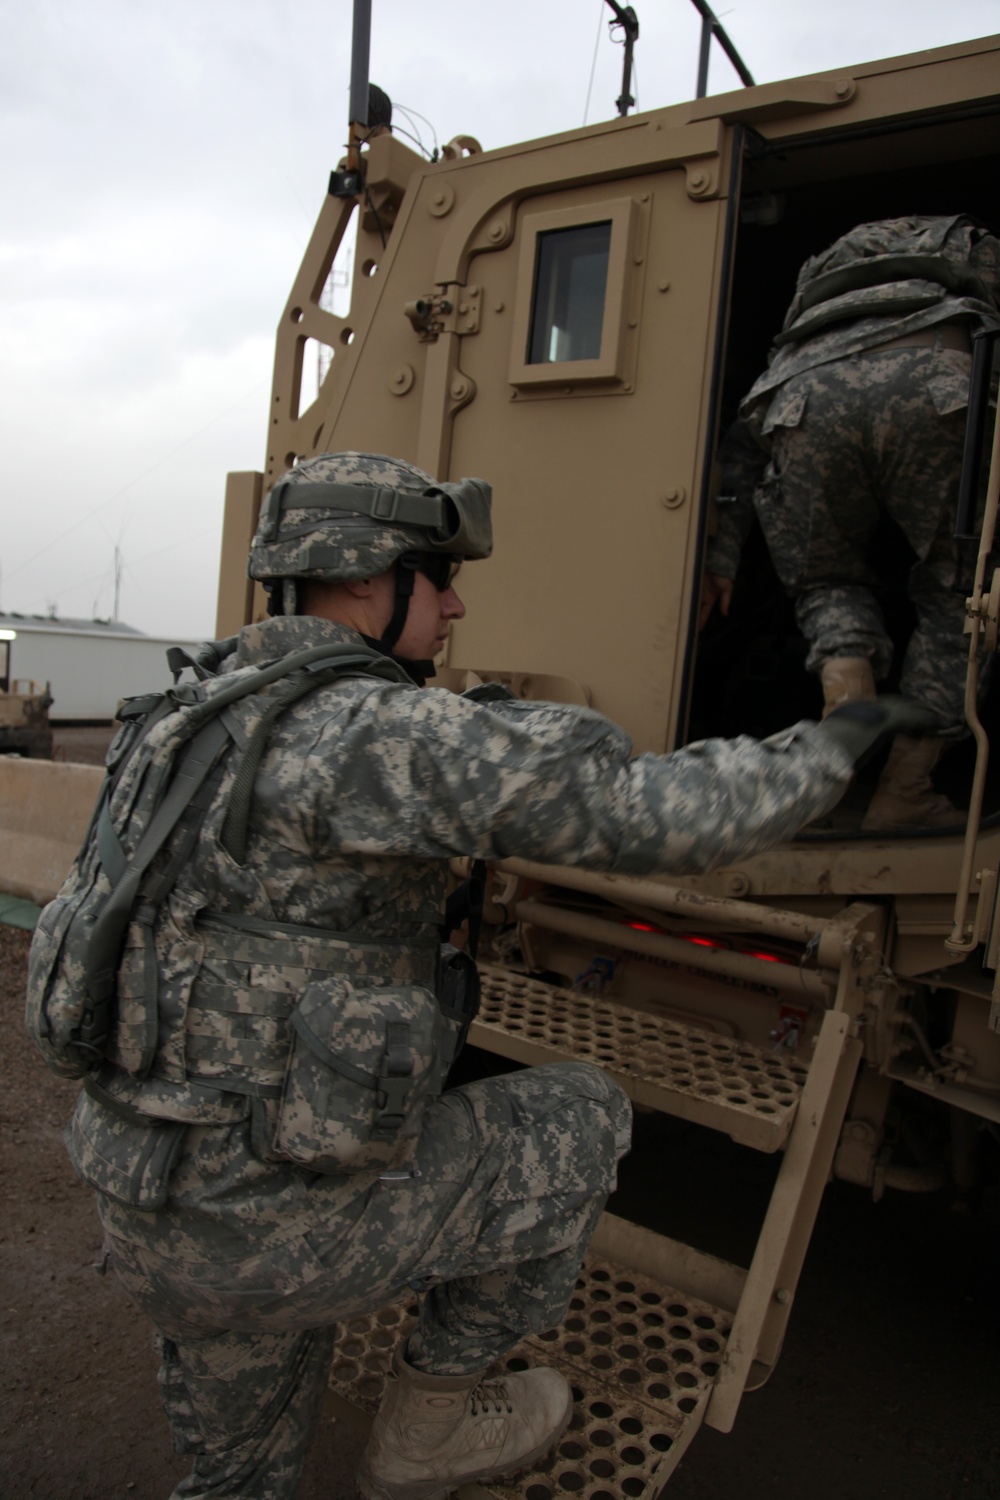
[
  {"x": 770, "y": 958},
  {"x": 699, "y": 941}
]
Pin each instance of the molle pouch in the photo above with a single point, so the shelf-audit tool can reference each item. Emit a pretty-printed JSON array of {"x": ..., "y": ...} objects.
[
  {"x": 362, "y": 1066},
  {"x": 125, "y": 1155},
  {"x": 54, "y": 1009}
]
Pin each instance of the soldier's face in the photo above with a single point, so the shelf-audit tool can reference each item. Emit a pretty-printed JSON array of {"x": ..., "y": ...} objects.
[{"x": 428, "y": 620}]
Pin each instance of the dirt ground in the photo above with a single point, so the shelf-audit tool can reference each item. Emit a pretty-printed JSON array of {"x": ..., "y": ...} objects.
[{"x": 889, "y": 1384}]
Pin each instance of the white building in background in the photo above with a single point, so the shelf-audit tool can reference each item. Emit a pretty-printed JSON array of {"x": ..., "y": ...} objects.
[{"x": 89, "y": 665}]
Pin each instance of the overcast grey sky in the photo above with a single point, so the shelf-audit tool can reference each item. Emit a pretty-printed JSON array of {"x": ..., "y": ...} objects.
[{"x": 162, "y": 165}]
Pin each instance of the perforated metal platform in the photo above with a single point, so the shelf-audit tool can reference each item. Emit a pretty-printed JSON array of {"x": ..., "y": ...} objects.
[
  {"x": 641, "y": 1359},
  {"x": 713, "y": 1080}
]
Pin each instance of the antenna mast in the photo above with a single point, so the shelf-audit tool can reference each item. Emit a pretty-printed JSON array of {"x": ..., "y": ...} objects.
[
  {"x": 370, "y": 110},
  {"x": 626, "y": 17},
  {"x": 361, "y": 40}
]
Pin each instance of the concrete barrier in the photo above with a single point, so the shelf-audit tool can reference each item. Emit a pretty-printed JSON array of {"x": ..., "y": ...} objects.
[{"x": 45, "y": 807}]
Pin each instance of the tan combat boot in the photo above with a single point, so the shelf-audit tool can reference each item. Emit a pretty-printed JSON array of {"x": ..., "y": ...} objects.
[
  {"x": 905, "y": 796},
  {"x": 846, "y": 679},
  {"x": 434, "y": 1432}
]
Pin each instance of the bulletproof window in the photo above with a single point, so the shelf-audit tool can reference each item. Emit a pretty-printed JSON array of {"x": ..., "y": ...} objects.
[
  {"x": 575, "y": 276},
  {"x": 571, "y": 278}
]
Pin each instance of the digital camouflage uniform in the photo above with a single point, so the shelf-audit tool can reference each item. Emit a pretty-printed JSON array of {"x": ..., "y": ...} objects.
[
  {"x": 841, "y": 428},
  {"x": 366, "y": 788}
]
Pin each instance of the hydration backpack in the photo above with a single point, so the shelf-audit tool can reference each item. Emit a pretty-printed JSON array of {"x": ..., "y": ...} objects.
[{"x": 164, "y": 768}]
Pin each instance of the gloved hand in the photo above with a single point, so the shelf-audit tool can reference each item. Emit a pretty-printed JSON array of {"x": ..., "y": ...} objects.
[{"x": 858, "y": 727}]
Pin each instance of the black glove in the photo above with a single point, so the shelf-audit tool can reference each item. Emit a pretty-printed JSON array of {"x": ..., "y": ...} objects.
[{"x": 858, "y": 727}]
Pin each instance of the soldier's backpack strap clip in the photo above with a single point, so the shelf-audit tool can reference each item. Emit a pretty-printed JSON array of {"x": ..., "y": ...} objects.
[{"x": 459, "y": 989}]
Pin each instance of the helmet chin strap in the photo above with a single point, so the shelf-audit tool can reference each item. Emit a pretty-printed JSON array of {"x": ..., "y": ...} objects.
[
  {"x": 405, "y": 574},
  {"x": 282, "y": 596}
]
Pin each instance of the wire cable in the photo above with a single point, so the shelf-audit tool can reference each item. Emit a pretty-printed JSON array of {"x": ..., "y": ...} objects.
[
  {"x": 102, "y": 576},
  {"x": 135, "y": 480},
  {"x": 593, "y": 65},
  {"x": 414, "y": 114},
  {"x": 408, "y": 134}
]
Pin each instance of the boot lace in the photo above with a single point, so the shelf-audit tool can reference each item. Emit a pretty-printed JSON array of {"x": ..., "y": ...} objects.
[{"x": 489, "y": 1395}]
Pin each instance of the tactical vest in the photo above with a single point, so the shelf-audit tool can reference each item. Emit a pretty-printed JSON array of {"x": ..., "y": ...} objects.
[{"x": 182, "y": 1008}]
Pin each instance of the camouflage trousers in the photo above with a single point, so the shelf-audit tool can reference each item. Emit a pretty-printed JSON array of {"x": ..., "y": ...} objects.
[
  {"x": 880, "y": 432},
  {"x": 514, "y": 1172}
]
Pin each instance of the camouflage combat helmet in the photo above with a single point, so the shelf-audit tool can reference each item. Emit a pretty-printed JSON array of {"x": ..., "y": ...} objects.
[
  {"x": 343, "y": 516},
  {"x": 352, "y": 515}
]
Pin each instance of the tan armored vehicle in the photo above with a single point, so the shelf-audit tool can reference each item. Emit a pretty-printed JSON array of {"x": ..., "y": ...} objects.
[
  {"x": 24, "y": 722},
  {"x": 24, "y": 728},
  {"x": 24, "y": 710},
  {"x": 786, "y": 1002}
]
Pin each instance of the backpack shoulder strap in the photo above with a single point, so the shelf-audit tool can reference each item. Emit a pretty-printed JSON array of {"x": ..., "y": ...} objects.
[{"x": 106, "y": 938}]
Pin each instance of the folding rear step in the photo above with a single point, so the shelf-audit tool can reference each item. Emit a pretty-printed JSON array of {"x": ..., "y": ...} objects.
[
  {"x": 677, "y": 1069},
  {"x": 659, "y": 1337},
  {"x": 760, "y": 1099},
  {"x": 640, "y": 1356}
]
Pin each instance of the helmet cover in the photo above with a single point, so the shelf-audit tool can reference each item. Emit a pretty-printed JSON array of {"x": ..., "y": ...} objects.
[{"x": 352, "y": 515}]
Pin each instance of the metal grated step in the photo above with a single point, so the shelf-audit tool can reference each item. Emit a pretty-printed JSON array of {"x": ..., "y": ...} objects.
[
  {"x": 728, "y": 1085},
  {"x": 641, "y": 1358}
]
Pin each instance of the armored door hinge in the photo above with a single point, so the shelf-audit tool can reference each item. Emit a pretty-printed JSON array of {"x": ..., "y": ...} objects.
[
  {"x": 982, "y": 610},
  {"x": 452, "y": 309}
]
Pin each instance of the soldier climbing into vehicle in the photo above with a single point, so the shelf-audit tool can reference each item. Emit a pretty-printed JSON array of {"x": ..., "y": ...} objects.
[{"x": 861, "y": 414}]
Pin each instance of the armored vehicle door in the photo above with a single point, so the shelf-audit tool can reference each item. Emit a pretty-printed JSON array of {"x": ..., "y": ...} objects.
[
  {"x": 582, "y": 396},
  {"x": 549, "y": 319}
]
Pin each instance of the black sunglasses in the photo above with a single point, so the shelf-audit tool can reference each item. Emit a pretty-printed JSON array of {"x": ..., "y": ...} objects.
[{"x": 440, "y": 567}]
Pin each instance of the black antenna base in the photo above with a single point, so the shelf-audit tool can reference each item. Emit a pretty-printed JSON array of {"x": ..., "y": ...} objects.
[{"x": 347, "y": 184}]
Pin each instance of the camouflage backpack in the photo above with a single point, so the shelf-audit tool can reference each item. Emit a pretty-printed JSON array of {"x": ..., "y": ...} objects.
[{"x": 164, "y": 768}]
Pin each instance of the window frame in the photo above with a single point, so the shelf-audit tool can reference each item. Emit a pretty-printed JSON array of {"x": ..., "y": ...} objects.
[{"x": 609, "y": 366}]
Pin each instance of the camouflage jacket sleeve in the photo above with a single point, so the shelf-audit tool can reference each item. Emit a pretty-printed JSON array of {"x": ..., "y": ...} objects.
[
  {"x": 429, "y": 774},
  {"x": 741, "y": 464},
  {"x": 734, "y": 516}
]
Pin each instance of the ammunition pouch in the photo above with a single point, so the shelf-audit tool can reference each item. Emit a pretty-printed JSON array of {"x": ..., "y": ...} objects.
[{"x": 363, "y": 1064}]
